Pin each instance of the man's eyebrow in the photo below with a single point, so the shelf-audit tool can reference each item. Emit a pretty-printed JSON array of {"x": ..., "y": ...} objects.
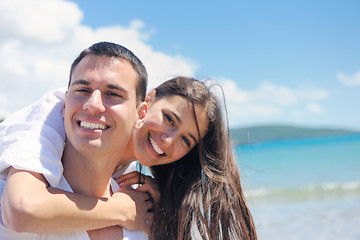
[
  {"x": 80, "y": 82},
  {"x": 110, "y": 86},
  {"x": 117, "y": 87},
  {"x": 179, "y": 120}
]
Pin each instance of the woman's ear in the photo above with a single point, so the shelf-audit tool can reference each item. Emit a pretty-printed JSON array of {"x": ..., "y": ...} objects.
[
  {"x": 142, "y": 111},
  {"x": 150, "y": 96}
]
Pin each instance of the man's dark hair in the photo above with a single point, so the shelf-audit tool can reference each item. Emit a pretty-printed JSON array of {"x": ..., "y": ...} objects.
[{"x": 115, "y": 50}]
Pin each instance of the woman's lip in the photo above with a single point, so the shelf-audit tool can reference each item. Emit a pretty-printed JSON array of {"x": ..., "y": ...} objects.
[{"x": 154, "y": 147}]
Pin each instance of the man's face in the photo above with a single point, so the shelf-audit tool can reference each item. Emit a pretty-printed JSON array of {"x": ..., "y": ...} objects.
[{"x": 100, "y": 106}]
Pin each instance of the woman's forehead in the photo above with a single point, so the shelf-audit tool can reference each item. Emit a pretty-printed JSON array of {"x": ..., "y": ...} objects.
[{"x": 172, "y": 101}]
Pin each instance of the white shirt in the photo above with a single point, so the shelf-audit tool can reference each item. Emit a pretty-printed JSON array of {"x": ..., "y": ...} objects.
[
  {"x": 127, "y": 235},
  {"x": 33, "y": 139}
]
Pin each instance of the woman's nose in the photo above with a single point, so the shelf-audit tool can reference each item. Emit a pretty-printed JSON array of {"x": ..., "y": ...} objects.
[
  {"x": 95, "y": 103},
  {"x": 168, "y": 138}
]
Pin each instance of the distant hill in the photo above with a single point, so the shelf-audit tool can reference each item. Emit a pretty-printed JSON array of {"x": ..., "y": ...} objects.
[{"x": 257, "y": 134}]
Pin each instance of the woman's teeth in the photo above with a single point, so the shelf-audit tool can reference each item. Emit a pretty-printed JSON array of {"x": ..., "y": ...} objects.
[{"x": 155, "y": 146}]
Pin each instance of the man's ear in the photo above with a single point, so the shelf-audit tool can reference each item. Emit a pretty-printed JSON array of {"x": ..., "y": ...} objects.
[
  {"x": 63, "y": 108},
  {"x": 141, "y": 112},
  {"x": 150, "y": 96}
]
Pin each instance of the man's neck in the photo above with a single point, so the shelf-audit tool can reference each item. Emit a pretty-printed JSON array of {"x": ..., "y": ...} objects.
[
  {"x": 128, "y": 155},
  {"x": 89, "y": 175}
]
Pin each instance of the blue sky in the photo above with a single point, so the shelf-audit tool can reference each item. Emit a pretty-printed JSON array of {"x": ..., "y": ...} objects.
[{"x": 278, "y": 61}]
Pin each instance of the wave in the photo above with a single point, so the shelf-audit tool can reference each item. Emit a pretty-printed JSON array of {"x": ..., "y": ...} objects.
[{"x": 304, "y": 193}]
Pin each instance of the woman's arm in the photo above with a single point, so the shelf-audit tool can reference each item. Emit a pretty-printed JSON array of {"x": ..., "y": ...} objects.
[{"x": 29, "y": 205}]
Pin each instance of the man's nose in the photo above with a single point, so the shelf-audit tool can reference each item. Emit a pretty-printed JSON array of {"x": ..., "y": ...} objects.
[{"x": 95, "y": 103}]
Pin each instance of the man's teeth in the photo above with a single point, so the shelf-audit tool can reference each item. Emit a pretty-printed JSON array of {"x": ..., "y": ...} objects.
[
  {"x": 92, "y": 125},
  {"x": 155, "y": 146}
]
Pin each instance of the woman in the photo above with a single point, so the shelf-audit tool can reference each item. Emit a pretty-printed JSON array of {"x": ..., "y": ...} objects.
[
  {"x": 201, "y": 194},
  {"x": 198, "y": 178}
]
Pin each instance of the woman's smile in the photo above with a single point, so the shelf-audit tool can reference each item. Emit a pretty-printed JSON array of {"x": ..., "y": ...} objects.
[{"x": 155, "y": 146}]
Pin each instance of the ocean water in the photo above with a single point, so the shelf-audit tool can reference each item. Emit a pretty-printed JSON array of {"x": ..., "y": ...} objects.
[{"x": 304, "y": 188}]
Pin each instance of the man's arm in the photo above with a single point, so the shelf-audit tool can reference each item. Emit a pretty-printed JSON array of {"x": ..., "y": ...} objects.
[{"x": 29, "y": 205}]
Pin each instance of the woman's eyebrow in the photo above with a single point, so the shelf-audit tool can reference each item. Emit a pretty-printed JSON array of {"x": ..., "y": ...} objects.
[
  {"x": 179, "y": 120},
  {"x": 176, "y": 116},
  {"x": 192, "y": 136}
]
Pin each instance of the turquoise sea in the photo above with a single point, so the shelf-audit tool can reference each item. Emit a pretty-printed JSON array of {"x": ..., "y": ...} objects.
[{"x": 304, "y": 188}]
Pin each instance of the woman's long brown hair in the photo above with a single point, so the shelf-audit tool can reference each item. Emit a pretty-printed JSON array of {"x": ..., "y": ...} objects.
[{"x": 201, "y": 194}]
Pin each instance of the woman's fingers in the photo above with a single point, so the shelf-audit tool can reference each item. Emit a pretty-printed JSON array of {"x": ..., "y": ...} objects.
[
  {"x": 149, "y": 218},
  {"x": 146, "y": 184},
  {"x": 131, "y": 178},
  {"x": 150, "y": 205},
  {"x": 152, "y": 188},
  {"x": 127, "y": 176},
  {"x": 148, "y": 222}
]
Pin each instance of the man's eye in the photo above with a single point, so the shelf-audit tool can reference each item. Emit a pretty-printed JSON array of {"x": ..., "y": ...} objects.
[
  {"x": 186, "y": 141},
  {"x": 114, "y": 94},
  {"x": 169, "y": 119},
  {"x": 82, "y": 90}
]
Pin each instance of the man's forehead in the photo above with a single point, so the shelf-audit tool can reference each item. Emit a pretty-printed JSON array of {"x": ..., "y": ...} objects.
[
  {"x": 103, "y": 61},
  {"x": 99, "y": 63}
]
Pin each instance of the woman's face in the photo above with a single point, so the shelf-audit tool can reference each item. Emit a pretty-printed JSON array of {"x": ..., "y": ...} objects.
[{"x": 169, "y": 131}]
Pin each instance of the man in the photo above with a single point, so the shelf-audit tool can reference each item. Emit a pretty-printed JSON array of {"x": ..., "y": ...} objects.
[{"x": 107, "y": 82}]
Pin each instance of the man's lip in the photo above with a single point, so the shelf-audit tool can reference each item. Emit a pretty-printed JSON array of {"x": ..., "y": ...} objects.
[{"x": 92, "y": 125}]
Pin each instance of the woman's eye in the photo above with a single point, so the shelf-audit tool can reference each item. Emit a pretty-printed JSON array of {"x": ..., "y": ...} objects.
[
  {"x": 186, "y": 141},
  {"x": 169, "y": 119}
]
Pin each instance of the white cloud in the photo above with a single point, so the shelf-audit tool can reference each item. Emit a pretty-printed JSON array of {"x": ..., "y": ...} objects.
[
  {"x": 39, "y": 39},
  {"x": 41, "y": 21},
  {"x": 349, "y": 80},
  {"x": 270, "y": 102},
  {"x": 279, "y": 95},
  {"x": 315, "y": 108}
]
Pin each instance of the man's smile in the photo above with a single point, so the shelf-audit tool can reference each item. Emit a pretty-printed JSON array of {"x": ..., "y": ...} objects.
[{"x": 93, "y": 126}]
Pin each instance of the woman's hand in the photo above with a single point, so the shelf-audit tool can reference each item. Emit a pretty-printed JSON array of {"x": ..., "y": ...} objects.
[
  {"x": 134, "y": 209},
  {"x": 145, "y": 184}
]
